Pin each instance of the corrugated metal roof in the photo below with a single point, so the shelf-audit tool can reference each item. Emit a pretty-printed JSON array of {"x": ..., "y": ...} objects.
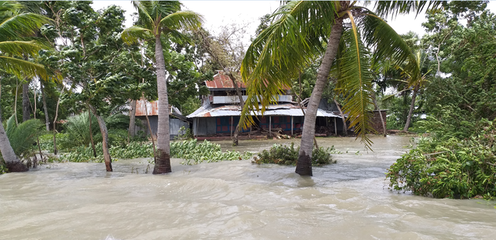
[
  {"x": 271, "y": 110},
  {"x": 152, "y": 109},
  {"x": 222, "y": 81}
]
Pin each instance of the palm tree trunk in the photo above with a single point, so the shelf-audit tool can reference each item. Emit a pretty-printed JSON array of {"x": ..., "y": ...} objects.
[
  {"x": 45, "y": 108},
  {"x": 91, "y": 133},
  {"x": 241, "y": 104},
  {"x": 15, "y": 102},
  {"x": 11, "y": 161},
  {"x": 412, "y": 106},
  {"x": 345, "y": 126},
  {"x": 132, "y": 120},
  {"x": 304, "y": 164},
  {"x": 162, "y": 164},
  {"x": 0, "y": 98},
  {"x": 25, "y": 102},
  {"x": 374, "y": 99},
  {"x": 105, "y": 147},
  {"x": 55, "y": 150}
]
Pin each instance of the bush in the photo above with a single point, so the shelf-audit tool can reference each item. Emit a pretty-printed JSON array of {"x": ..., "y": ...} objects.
[
  {"x": 23, "y": 137},
  {"x": 284, "y": 155},
  {"x": 194, "y": 152},
  {"x": 453, "y": 168}
]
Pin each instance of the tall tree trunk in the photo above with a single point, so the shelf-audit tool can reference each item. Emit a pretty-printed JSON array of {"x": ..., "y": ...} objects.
[
  {"x": 105, "y": 148},
  {"x": 55, "y": 150},
  {"x": 25, "y": 102},
  {"x": 132, "y": 120},
  {"x": 11, "y": 161},
  {"x": 380, "y": 114},
  {"x": 91, "y": 133},
  {"x": 150, "y": 130},
  {"x": 412, "y": 106},
  {"x": 304, "y": 164},
  {"x": 162, "y": 164},
  {"x": 15, "y": 102},
  {"x": 45, "y": 108},
  {"x": 241, "y": 104},
  {"x": 345, "y": 126},
  {"x": 0, "y": 100}
]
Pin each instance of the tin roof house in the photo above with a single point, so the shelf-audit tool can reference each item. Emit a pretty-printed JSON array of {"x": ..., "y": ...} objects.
[
  {"x": 145, "y": 108},
  {"x": 220, "y": 112}
]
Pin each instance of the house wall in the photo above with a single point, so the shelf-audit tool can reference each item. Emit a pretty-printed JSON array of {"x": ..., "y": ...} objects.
[
  {"x": 204, "y": 126},
  {"x": 174, "y": 125}
]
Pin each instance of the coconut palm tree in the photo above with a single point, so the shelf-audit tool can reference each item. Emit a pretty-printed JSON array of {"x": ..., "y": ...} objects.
[
  {"x": 302, "y": 31},
  {"x": 14, "y": 25},
  {"x": 159, "y": 21}
]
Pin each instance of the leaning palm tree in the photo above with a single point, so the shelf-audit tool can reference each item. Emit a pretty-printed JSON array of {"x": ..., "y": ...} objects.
[
  {"x": 159, "y": 21},
  {"x": 14, "y": 25},
  {"x": 301, "y": 32}
]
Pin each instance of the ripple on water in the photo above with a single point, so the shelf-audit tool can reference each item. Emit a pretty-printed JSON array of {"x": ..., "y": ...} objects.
[{"x": 234, "y": 200}]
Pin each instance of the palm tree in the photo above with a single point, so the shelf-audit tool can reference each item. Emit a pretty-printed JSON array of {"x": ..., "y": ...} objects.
[
  {"x": 300, "y": 32},
  {"x": 14, "y": 25},
  {"x": 161, "y": 20}
]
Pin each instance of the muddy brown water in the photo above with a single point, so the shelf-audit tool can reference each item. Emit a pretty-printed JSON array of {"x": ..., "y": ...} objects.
[{"x": 235, "y": 200}]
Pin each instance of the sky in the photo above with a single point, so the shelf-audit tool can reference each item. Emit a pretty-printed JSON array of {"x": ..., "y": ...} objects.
[{"x": 222, "y": 13}]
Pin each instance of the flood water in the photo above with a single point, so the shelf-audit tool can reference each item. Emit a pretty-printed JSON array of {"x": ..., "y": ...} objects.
[{"x": 235, "y": 200}]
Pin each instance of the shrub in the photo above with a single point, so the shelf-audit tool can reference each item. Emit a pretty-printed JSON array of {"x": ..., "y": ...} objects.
[
  {"x": 194, "y": 152},
  {"x": 77, "y": 132},
  {"x": 23, "y": 137},
  {"x": 452, "y": 168},
  {"x": 284, "y": 155}
]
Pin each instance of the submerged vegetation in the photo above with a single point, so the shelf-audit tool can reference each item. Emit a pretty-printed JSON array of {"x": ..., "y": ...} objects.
[
  {"x": 288, "y": 155},
  {"x": 190, "y": 150},
  {"x": 453, "y": 168}
]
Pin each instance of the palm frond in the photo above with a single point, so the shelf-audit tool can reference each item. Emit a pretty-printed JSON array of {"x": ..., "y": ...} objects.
[
  {"x": 355, "y": 83},
  {"x": 187, "y": 20},
  {"x": 19, "y": 48},
  {"x": 386, "y": 8},
  {"x": 389, "y": 45},
  {"x": 277, "y": 55},
  {"x": 22, "y": 68},
  {"x": 24, "y": 24},
  {"x": 133, "y": 34}
]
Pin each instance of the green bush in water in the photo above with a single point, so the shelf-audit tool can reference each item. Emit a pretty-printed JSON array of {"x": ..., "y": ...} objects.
[
  {"x": 284, "y": 155},
  {"x": 193, "y": 152},
  {"x": 452, "y": 168},
  {"x": 23, "y": 137}
]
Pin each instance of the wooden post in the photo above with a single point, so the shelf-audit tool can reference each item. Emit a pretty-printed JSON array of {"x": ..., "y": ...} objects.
[
  {"x": 270, "y": 126},
  {"x": 231, "y": 125},
  {"x": 335, "y": 127},
  {"x": 291, "y": 125}
]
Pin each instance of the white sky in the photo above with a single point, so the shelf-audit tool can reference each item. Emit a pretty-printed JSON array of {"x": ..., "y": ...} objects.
[{"x": 221, "y": 13}]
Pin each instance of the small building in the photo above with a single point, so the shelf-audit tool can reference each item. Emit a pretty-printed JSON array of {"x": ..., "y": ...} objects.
[
  {"x": 176, "y": 119},
  {"x": 220, "y": 112}
]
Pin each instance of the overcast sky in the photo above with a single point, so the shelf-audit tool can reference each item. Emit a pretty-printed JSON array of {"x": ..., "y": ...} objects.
[{"x": 219, "y": 13}]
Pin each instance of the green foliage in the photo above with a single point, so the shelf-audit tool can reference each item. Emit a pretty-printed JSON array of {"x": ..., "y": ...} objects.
[
  {"x": 193, "y": 152},
  {"x": 184, "y": 134},
  {"x": 22, "y": 138},
  {"x": 284, "y": 155},
  {"x": 449, "y": 168},
  {"x": 77, "y": 131}
]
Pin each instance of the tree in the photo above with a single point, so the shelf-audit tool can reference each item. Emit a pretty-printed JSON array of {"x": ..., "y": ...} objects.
[
  {"x": 14, "y": 25},
  {"x": 227, "y": 51},
  {"x": 161, "y": 21},
  {"x": 303, "y": 30}
]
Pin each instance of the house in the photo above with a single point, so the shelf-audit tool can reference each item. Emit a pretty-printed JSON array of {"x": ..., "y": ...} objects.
[
  {"x": 220, "y": 112},
  {"x": 176, "y": 119}
]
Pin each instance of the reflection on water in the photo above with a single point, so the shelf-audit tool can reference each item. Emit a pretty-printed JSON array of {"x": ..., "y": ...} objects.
[{"x": 234, "y": 200}]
